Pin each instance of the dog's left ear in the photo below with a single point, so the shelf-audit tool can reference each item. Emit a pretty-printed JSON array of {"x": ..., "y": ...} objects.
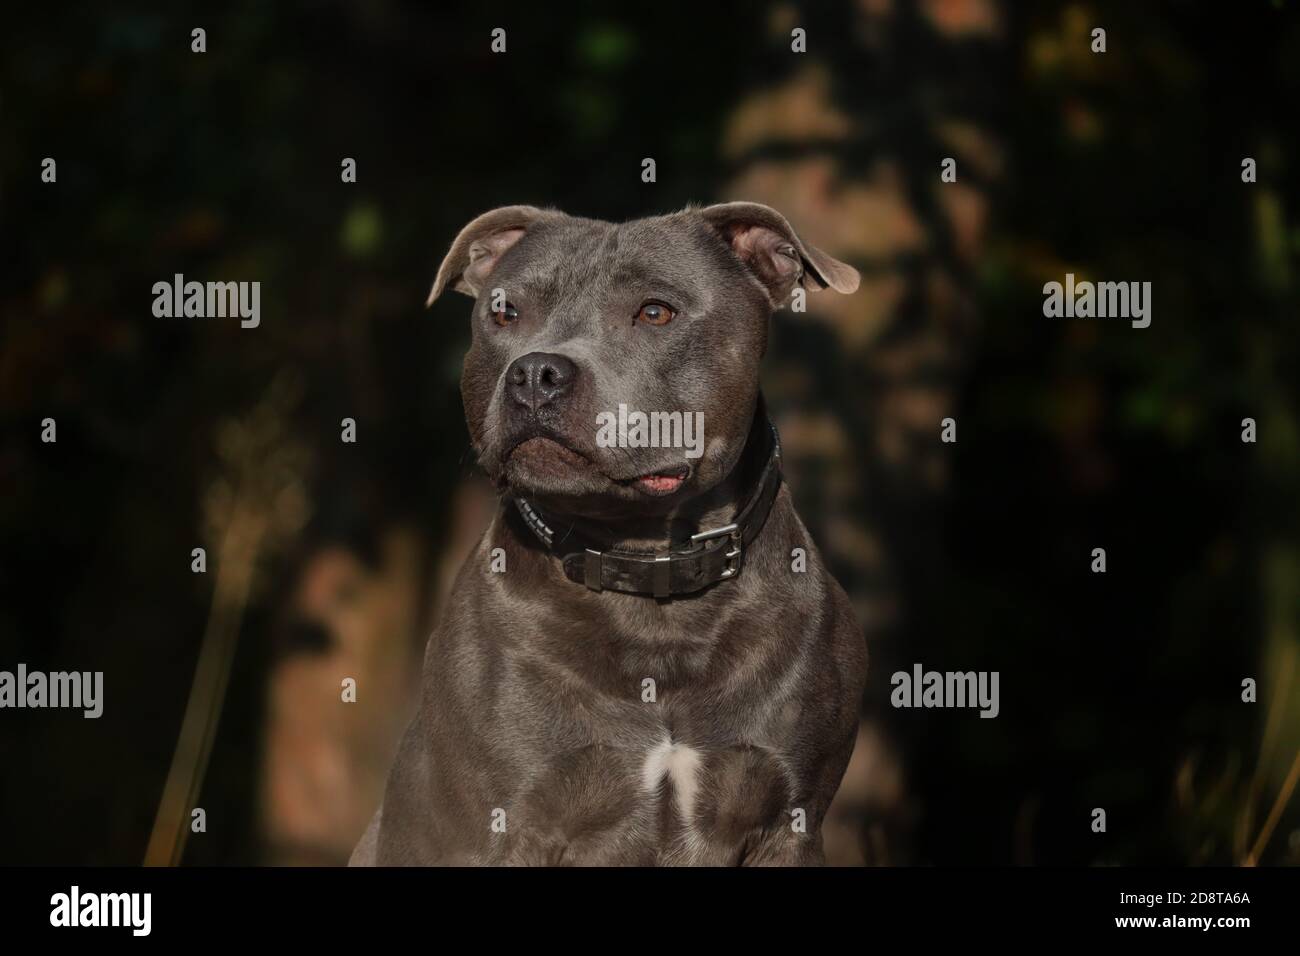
[
  {"x": 768, "y": 245},
  {"x": 480, "y": 244}
]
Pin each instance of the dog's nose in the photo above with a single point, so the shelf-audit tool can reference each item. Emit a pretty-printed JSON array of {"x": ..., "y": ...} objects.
[{"x": 539, "y": 378}]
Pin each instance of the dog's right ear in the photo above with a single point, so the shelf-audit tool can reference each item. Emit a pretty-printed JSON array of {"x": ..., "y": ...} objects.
[{"x": 478, "y": 247}]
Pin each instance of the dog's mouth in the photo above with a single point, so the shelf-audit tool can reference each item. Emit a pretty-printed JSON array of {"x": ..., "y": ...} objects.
[
  {"x": 660, "y": 483},
  {"x": 546, "y": 457},
  {"x": 541, "y": 454}
]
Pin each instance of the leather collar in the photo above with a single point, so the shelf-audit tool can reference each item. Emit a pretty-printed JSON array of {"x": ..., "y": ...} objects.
[{"x": 712, "y": 555}]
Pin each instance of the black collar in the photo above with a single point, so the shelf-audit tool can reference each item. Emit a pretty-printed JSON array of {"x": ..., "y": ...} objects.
[{"x": 710, "y": 556}]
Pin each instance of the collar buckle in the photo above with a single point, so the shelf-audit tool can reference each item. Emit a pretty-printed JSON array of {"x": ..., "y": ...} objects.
[
  {"x": 732, "y": 557},
  {"x": 709, "y": 535}
]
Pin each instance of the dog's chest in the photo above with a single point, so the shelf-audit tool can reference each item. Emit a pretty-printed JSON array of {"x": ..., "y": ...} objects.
[
  {"x": 671, "y": 773},
  {"x": 657, "y": 799},
  {"x": 647, "y": 760}
]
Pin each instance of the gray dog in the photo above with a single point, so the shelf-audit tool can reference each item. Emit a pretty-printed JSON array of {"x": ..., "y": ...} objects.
[{"x": 644, "y": 661}]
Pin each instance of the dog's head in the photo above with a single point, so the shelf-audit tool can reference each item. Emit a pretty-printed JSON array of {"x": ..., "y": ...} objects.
[{"x": 600, "y": 349}]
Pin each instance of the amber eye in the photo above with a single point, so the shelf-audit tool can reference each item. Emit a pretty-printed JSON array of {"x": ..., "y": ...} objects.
[
  {"x": 505, "y": 315},
  {"x": 656, "y": 313}
]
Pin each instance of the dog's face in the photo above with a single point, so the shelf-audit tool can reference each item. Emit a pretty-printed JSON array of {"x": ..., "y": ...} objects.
[{"x": 581, "y": 326}]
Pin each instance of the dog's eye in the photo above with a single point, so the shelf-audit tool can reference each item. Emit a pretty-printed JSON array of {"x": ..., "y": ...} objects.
[
  {"x": 656, "y": 313},
  {"x": 505, "y": 315}
]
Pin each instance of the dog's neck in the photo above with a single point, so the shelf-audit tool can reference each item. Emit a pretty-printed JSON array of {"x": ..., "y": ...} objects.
[{"x": 653, "y": 534}]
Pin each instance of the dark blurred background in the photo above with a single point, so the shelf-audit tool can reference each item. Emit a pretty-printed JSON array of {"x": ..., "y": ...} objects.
[{"x": 328, "y": 560}]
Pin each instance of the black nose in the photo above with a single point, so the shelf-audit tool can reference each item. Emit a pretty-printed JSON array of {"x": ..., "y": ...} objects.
[{"x": 539, "y": 378}]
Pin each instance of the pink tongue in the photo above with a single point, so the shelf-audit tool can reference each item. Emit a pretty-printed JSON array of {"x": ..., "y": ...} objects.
[{"x": 660, "y": 482}]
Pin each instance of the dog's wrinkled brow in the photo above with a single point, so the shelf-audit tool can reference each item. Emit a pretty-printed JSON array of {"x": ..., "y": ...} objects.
[
  {"x": 650, "y": 282},
  {"x": 540, "y": 281}
]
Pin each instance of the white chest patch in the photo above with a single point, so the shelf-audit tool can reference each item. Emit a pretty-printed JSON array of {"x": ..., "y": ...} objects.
[{"x": 681, "y": 764}]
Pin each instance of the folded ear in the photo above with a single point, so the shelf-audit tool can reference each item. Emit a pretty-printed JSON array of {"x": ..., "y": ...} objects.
[
  {"x": 768, "y": 245},
  {"x": 478, "y": 247}
]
